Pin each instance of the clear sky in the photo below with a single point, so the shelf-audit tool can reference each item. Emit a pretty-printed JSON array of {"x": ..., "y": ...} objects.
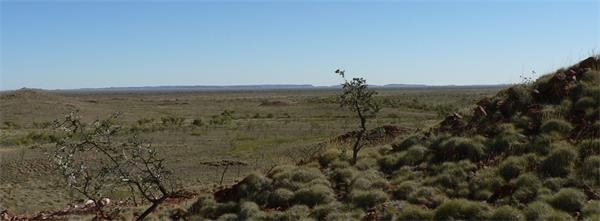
[{"x": 75, "y": 44}]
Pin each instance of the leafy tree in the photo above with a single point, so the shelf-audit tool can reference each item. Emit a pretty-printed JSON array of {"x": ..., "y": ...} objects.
[
  {"x": 357, "y": 97},
  {"x": 95, "y": 163}
]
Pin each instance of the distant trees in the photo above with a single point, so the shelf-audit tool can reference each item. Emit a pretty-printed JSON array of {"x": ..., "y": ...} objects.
[
  {"x": 95, "y": 163},
  {"x": 358, "y": 98}
]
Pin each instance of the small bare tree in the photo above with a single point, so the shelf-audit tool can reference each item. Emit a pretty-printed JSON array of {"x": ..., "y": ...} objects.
[
  {"x": 357, "y": 97},
  {"x": 95, "y": 163}
]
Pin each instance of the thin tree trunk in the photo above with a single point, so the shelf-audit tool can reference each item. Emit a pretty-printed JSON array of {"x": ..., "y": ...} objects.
[
  {"x": 151, "y": 209},
  {"x": 356, "y": 147}
]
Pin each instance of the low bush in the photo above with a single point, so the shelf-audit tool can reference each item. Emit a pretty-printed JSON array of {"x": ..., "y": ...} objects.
[
  {"x": 402, "y": 190},
  {"x": 321, "y": 211},
  {"x": 568, "y": 199},
  {"x": 413, "y": 212},
  {"x": 585, "y": 103},
  {"x": 556, "y": 127},
  {"x": 406, "y": 143},
  {"x": 211, "y": 209},
  {"x": 554, "y": 183},
  {"x": 507, "y": 213},
  {"x": 249, "y": 210},
  {"x": 458, "y": 148},
  {"x": 314, "y": 195},
  {"x": 345, "y": 216},
  {"x": 589, "y": 147},
  {"x": 527, "y": 188},
  {"x": 506, "y": 136},
  {"x": 280, "y": 198},
  {"x": 297, "y": 212},
  {"x": 328, "y": 156},
  {"x": 229, "y": 217},
  {"x": 391, "y": 162},
  {"x": 296, "y": 178},
  {"x": 451, "y": 175},
  {"x": 254, "y": 188},
  {"x": 375, "y": 177},
  {"x": 560, "y": 162},
  {"x": 414, "y": 155},
  {"x": 537, "y": 210},
  {"x": 511, "y": 167},
  {"x": 591, "y": 168},
  {"x": 461, "y": 209},
  {"x": 361, "y": 183},
  {"x": 427, "y": 196},
  {"x": 368, "y": 198},
  {"x": 343, "y": 176},
  {"x": 558, "y": 215},
  {"x": 591, "y": 208}
]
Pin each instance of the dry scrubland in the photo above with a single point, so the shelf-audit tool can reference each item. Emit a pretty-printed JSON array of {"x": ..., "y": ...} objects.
[
  {"x": 528, "y": 152},
  {"x": 258, "y": 128}
]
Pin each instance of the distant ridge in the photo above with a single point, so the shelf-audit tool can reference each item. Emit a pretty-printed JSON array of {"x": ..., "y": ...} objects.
[
  {"x": 262, "y": 87},
  {"x": 257, "y": 87}
]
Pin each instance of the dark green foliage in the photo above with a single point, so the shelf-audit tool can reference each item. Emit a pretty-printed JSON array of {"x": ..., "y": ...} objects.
[
  {"x": 297, "y": 212},
  {"x": 343, "y": 176},
  {"x": 367, "y": 198},
  {"x": 591, "y": 208},
  {"x": 228, "y": 217},
  {"x": 223, "y": 118},
  {"x": 280, "y": 198},
  {"x": 505, "y": 138},
  {"x": 406, "y": 143},
  {"x": 404, "y": 189},
  {"x": 414, "y": 155},
  {"x": 527, "y": 187},
  {"x": 537, "y": 210},
  {"x": 295, "y": 178},
  {"x": 568, "y": 199},
  {"x": 427, "y": 196},
  {"x": 589, "y": 147},
  {"x": 554, "y": 183},
  {"x": 211, "y": 209},
  {"x": 172, "y": 121},
  {"x": 585, "y": 103},
  {"x": 314, "y": 195},
  {"x": 511, "y": 167},
  {"x": 591, "y": 168},
  {"x": 453, "y": 177},
  {"x": 254, "y": 187},
  {"x": 458, "y": 148},
  {"x": 556, "y": 127},
  {"x": 559, "y": 162},
  {"x": 507, "y": 213},
  {"x": 414, "y": 212},
  {"x": 391, "y": 162},
  {"x": 327, "y": 157},
  {"x": 321, "y": 211},
  {"x": 198, "y": 122},
  {"x": 540, "y": 144},
  {"x": 249, "y": 210},
  {"x": 559, "y": 216},
  {"x": 461, "y": 209}
]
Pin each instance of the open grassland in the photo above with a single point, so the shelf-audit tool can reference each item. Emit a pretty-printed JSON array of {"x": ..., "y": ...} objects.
[{"x": 259, "y": 128}]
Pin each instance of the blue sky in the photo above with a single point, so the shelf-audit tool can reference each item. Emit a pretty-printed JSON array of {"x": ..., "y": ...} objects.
[{"x": 76, "y": 44}]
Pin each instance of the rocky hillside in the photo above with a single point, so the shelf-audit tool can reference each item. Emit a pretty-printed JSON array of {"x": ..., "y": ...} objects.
[{"x": 531, "y": 152}]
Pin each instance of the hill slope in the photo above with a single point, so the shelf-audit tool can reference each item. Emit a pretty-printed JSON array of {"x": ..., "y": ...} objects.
[{"x": 530, "y": 152}]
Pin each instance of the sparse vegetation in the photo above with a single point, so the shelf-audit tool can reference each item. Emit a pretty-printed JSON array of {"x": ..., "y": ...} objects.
[{"x": 529, "y": 152}]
